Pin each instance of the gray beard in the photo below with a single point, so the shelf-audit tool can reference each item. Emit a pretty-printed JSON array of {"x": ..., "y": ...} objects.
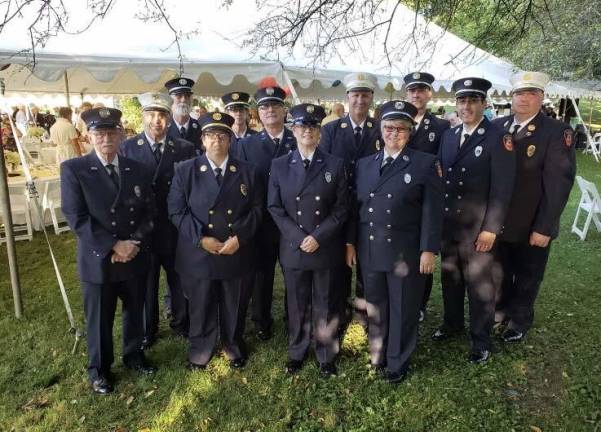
[{"x": 181, "y": 109}]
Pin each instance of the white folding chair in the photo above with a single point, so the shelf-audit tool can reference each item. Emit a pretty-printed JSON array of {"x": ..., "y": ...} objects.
[
  {"x": 590, "y": 203},
  {"x": 51, "y": 201},
  {"x": 19, "y": 204}
]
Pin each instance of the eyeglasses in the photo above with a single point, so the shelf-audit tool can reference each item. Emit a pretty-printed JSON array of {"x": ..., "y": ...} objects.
[
  {"x": 305, "y": 127},
  {"x": 105, "y": 133},
  {"x": 399, "y": 130},
  {"x": 269, "y": 105},
  {"x": 216, "y": 135}
]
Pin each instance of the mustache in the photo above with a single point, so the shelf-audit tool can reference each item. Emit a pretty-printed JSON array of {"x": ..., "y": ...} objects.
[{"x": 182, "y": 108}]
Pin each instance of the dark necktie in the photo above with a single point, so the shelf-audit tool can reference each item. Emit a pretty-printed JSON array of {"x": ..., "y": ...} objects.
[
  {"x": 276, "y": 141},
  {"x": 357, "y": 136},
  {"x": 182, "y": 132},
  {"x": 465, "y": 138},
  {"x": 306, "y": 162},
  {"x": 157, "y": 151},
  {"x": 113, "y": 175},
  {"x": 218, "y": 176},
  {"x": 387, "y": 162},
  {"x": 516, "y": 128}
]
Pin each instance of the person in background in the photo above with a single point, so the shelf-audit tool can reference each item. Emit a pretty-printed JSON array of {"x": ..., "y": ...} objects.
[
  {"x": 65, "y": 136},
  {"x": 453, "y": 118},
  {"x": 336, "y": 113},
  {"x": 236, "y": 104},
  {"x": 181, "y": 124}
]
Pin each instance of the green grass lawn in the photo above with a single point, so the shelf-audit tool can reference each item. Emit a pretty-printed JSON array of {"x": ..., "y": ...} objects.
[{"x": 552, "y": 381}]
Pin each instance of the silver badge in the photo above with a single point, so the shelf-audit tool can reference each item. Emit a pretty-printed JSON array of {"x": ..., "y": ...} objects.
[
  {"x": 310, "y": 109},
  {"x": 269, "y": 91},
  {"x": 140, "y": 141},
  {"x": 104, "y": 113},
  {"x": 194, "y": 125},
  {"x": 467, "y": 83},
  {"x": 182, "y": 81},
  {"x": 426, "y": 127},
  {"x": 94, "y": 168},
  {"x": 432, "y": 136},
  {"x": 416, "y": 75},
  {"x": 203, "y": 168},
  {"x": 405, "y": 158},
  {"x": 137, "y": 191},
  {"x": 478, "y": 151},
  {"x": 399, "y": 105},
  {"x": 407, "y": 178},
  {"x": 481, "y": 131},
  {"x": 328, "y": 176},
  {"x": 426, "y": 121}
]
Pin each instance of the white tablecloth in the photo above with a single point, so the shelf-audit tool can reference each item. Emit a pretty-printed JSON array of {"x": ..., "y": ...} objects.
[{"x": 17, "y": 189}]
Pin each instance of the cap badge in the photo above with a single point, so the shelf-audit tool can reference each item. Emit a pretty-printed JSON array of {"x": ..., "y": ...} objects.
[
  {"x": 269, "y": 91},
  {"x": 527, "y": 77},
  {"x": 328, "y": 176},
  {"x": 530, "y": 151},
  {"x": 235, "y": 96},
  {"x": 343, "y": 125},
  {"x": 432, "y": 136},
  {"x": 481, "y": 131},
  {"x": 310, "y": 109},
  {"x": 203, "y": 168},
  {"x": 104, "y": 113},
  {"x": 467, "y": 83},
  {"x": 140, "y": 141},
  {"x": 399, "y": 105},
  {"x": 233, "y": 168},
  {"x": 182, "y": 81},
  {"x": 407, "y": 178},
  {"x": 243, "y": 189},
  {"x": 217, "y": 116},
  {"x": 416, "y": 75},
  {"x": 360, "y": 77},
  {"x": 478, "y": 151}
]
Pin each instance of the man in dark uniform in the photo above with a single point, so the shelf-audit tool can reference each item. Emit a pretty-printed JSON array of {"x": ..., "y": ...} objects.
[
  {"x": 159, "y": 153},
  {"x": 215, "y": 202},
  {"x": 260, "y": 149},
  {"x": 478, "y": 163},
  {"x": 351, "y": 138},
  {"x": 182, "y": 125},
  {"x": 108, "y": 202},
  {"x": 546, "y": 166},
  {"x": 236, "y": 104},
  {"x": 308, "y": 200},
  {"x": 397, "y": 227},
  {"x": 426, "y": 138}
]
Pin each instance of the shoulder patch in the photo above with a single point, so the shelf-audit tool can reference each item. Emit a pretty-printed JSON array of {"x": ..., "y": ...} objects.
[
  {"x": 568, "y": 137},
  {"x": 508, "y": 142}
]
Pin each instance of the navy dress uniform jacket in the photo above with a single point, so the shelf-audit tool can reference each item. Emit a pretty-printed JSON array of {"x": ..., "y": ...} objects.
[
  {"x": 309, "y": 202},
  {"x": 338, "y": 139},
  {"x": 427, "y": 137},
  {"x": 545, "y": 171},
  {"x": 175, "y": 150},
  {"x": 259, "y": 150},
  {"x": 199, "y": 207},
  {"x": 236, "y": 140},
  {"x": 478, "y": 181},
  {"x": 193, "y": 133},
  {"x": 399, "y": 213},
  {"x": 100, "y": 215}
]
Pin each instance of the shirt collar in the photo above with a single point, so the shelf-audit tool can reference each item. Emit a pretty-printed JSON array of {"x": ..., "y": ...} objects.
[
  {"x": 418, "y": 120},
  {"x": 280, "y": 136},
  {"x": 470, "y": 131},
  {"x": 153, "y": 143},
  {"x": 394, "y": 155},
  {"x": 308, "y": 156},
  {"x": 242, "y": 135},
  {"x": 104, "y": 162},
  {"x": 522, "y": 124},
  {"x": 222, "y": 166},
  {"x": 179, "y": 126},
  {"x": 354, "y": 125}
]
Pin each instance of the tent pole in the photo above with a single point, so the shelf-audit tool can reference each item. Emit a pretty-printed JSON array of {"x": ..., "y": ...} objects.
[
  {"x": 8, "y": 229},
  {"x": 67, "y": 89},
  {"x": 290, "y": 86},
  {"x": 589, "y": 146},
  {"x": 590, "y": 116}
]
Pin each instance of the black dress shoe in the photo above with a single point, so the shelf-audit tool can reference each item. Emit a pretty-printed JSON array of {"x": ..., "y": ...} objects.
[
  {"x": 101, "y": 386},
  {"x": 238, "y": 363},
  {"x": 512, "y": 335},
  {"x": 195, "y": 366},
  {"x": 142, "y": 368},
  {"x": 327, "y": 370},
  {"x": 396, "y": 377},
  {"x": 293, "y": 366},
  {"x": 147, "y": 342},
  {"x": 264, "y": 334},
  {"x": 479, "y": 356},
  {"x": 444, "y": 332}
]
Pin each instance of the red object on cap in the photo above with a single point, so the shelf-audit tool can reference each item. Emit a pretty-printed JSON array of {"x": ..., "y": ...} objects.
[{"x": 268, "y": 81}]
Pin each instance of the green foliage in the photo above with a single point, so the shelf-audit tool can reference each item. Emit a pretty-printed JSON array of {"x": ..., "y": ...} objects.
[
  {"x": 132, "y": 112},
  {"x": 551, "y": 381}
]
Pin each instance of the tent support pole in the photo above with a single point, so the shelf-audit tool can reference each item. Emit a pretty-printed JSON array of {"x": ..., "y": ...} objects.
[
  {"x": 290, "y": 86},
  {"x": 589, "y": 139},
  {"x": 67, "y": 89}
]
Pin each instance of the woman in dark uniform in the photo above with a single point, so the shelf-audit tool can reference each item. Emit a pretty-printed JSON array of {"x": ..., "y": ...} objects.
[
  {"x": 396, "y": 226},
  {"x": 215, "y": 203}
]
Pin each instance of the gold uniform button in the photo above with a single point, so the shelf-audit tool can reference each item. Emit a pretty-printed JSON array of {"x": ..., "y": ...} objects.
[
  {"x": 211, "y": 212},
  {"x": 210, "y": 225},
  {"x": 229, "y": 211}
]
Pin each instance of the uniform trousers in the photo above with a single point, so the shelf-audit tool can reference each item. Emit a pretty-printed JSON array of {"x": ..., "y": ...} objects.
[
  {"x": 262, "y": 291},
  {"x": 100, "y": 303},
  {"x": 178, "y": 303},
  {"x": 464, "y": 269},
  {"x": 310, "y": 310},
  {"x": 428, "y": 281},
  {"x": 216, "y": 308},
  {"x": 523, "y": 268},
  {"x": 393, "y": 315}
]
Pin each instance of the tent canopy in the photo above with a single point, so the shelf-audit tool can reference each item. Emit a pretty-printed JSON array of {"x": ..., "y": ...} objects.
[{"x": 141, "y": 58}]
